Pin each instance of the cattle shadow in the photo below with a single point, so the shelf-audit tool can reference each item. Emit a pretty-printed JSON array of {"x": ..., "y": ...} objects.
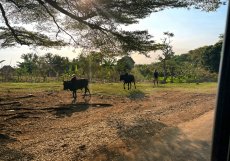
[
  {"x": 67, "y": 110},
  {"x": 9, "y": 154},
  {"x": 100, "y": 105},
  {"x": 59, "y": 111},
  {"x": 4, "y": 139},
  {"x": 152, "y": 140},
  {"x": 136, "y": 94}
]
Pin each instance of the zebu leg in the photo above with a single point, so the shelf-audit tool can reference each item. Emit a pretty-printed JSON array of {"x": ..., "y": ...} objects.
[
  {"x": 134, "y": 84},
  {"x": 74, "y": 96},
  {"x": 87, "y": 95},
  {"x": 86, "y": 89}
]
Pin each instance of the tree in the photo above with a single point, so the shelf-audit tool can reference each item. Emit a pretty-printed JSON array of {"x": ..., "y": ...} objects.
[
  {"x": 29, "y": 63},
  {"x": 20, "y": 72},
  {"x": 88, "y": 64},
  {"x": 207, "y": 56},
  {"x": 211, "y": 57},
  {"x": 125, "y": 64},
  {"x": 108, "y": 70},
  {"x": 167, "y": 52},
  {"x": 60, "y": 64},
  {"x": 87, "y": 23},
  {"x": 145, "y": 70}
]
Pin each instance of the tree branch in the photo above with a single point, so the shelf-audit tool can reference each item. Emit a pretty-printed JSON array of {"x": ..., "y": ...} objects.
[
  {"x": 79, "y": 19},
  {"x": 10, "y": 28},
  {"x": 59, "y": 28}
]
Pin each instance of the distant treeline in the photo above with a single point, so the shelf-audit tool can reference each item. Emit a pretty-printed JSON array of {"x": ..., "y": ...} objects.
[{"x": 199, "y": 65}]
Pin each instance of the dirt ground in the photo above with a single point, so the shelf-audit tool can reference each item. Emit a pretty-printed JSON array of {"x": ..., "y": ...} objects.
[{"x": 47, "y": 126}]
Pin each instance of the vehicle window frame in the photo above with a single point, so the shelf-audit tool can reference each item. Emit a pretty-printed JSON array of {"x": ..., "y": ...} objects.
[{"x": 221, "y": 129}]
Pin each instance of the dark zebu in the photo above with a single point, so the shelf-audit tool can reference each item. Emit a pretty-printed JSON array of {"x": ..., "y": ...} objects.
[
  {"x": 128, "y": 78},
  {"x": 78, "y": 84}
]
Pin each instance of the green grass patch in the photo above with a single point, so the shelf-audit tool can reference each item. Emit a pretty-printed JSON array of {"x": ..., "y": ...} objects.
[
  {"x": 111, "y": 88},
  {"x": 136, "y": 94},
  {"x": 191, "y": 87},
  {"x": 147, "y": 88},
  {"x": 30, "y": 87}
]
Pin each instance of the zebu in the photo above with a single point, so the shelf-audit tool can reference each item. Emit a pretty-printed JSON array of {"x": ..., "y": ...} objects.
[
  {"x": 128, "y": 78},
  {"x": 78, "y": 84}
]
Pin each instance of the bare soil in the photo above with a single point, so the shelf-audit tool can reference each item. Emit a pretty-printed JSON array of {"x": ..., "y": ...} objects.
[{"x": 47, "y": 126}]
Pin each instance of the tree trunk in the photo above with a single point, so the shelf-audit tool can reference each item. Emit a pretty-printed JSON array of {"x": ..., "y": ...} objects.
[
  {"x": 165, "y": 74},
  {"x": 172, "y": 75}
]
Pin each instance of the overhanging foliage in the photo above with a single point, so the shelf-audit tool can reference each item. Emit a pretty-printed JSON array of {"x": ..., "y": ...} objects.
[{"x": 87, "y": 23}]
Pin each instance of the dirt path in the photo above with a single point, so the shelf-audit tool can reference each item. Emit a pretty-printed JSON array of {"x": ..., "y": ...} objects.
[
  {"x": 189, "y": 141},
  {"x": 153, "y": 127},
  {"x": 200, "y": 128}
]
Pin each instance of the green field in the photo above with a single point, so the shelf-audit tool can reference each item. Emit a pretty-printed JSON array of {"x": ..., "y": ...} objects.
[{"x": 109, "y": 88}]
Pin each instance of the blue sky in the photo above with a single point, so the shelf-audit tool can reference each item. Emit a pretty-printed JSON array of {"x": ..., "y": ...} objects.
[{"x": 192, "y": 29}]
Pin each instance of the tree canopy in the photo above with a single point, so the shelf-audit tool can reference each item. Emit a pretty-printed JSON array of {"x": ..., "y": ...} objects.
[
  {"x": 95, "y": 24},
  {"x": 125, "y": 64}
]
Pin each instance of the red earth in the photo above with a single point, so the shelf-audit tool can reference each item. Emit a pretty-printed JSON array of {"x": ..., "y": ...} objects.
[{"x": 163, "y": 126}]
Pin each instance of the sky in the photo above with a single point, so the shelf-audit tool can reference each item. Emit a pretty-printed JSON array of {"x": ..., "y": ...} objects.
[{"x": 192, "y": 29}]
